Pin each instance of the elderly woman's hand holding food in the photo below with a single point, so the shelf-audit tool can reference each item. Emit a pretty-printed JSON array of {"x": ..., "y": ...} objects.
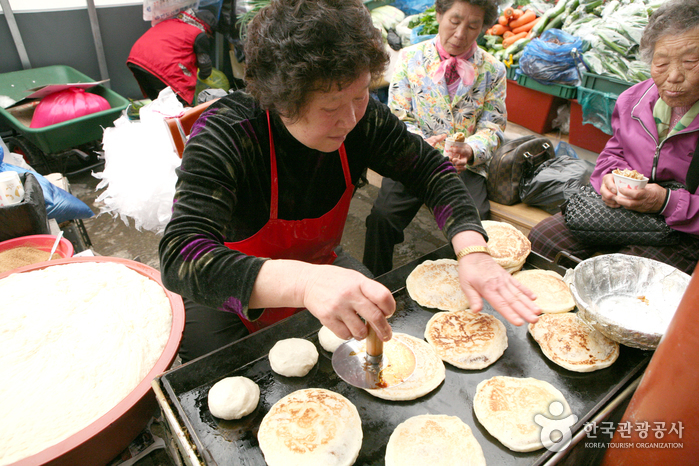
[{"x": 649, "y": 199}]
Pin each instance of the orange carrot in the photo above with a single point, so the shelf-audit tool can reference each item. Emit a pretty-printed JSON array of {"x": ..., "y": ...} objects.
[
  {"x": 508, "y": 12},
  {"x": 499, "y": 29},
  {"x": 502, "y": 20},
  {"x": 517, "y": 13},
  {"x": 489, "y": 32},
  {"x": 507, "y": 34},
  {"x": 526, "y": 27},
  {"x": 512, "y": 39},
  {"x": 526, "y": 17}
]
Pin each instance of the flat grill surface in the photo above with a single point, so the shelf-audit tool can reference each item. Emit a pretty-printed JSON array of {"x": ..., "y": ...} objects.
[{"x": 235, "y": 442}]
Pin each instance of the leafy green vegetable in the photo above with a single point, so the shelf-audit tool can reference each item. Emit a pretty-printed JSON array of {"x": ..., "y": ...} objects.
[{"x": 428, "y": 20}]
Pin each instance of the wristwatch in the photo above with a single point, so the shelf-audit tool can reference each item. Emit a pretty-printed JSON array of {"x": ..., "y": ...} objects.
[{"x": 471, "y": 249}]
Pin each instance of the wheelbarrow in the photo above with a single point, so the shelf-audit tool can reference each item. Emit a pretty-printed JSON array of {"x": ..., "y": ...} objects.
[{"x": 50, "y": 149}]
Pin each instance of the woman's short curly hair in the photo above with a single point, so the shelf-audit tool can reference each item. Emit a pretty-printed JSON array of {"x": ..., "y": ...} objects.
[
  {"x": 670, "y": 19},
  {"x": 490, "y": 9},
  {"x": 297, "y": 47}
]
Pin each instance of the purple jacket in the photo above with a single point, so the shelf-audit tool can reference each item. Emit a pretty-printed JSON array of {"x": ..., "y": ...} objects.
[{"x": 634, "y": 145}]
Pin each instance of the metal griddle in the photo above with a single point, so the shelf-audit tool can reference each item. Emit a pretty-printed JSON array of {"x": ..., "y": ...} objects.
[{"x": 219, "y": 442}]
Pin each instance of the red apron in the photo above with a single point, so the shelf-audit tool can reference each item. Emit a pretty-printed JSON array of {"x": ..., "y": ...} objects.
[{"x": 310, "y": 240}]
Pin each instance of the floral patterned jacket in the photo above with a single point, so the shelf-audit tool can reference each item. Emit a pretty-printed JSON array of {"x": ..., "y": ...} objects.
[{"x": 427, "y": 109}]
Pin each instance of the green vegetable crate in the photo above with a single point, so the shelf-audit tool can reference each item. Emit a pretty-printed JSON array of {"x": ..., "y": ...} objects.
[
  {"x": 559, "y": 90},
  {"x": 604, "y": 83},
  {"x": 65, "y": 135},
  {"x": 511, "y": 72}
]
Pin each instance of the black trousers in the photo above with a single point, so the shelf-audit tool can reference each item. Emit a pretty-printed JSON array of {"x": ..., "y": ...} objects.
[
  {"x": 207, "y": 329},
  {"x": 393, "y": 211}
]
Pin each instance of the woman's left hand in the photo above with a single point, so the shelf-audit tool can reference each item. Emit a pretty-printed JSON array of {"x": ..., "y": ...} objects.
[{"x": 482, "y": 278}]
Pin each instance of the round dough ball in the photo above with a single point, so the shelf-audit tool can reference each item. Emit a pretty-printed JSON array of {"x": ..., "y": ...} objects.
[
  {"x": 233, "y": 397},
  {"x": 328, "y": 340},
  {"x": 293, "y": 357}
]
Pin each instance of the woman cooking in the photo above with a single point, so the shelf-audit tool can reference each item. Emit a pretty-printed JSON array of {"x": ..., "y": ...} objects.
[
  {"x": 656, "y": 131},
  {"x": 267, "y": 176}
]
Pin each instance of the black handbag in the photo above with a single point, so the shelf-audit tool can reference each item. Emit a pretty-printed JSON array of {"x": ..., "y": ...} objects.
[
  {"x": 592, "y": 222},
  {"x": 510, "y": 163}
]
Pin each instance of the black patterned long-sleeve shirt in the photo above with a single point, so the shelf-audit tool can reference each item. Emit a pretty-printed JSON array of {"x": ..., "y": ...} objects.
[{"x": 224, "y": 188}]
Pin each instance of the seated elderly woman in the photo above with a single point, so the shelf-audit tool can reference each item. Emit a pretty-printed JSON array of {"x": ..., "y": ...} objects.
[
  {"x": 440, "y": 87},
  {"x": 656, "y": 131}
]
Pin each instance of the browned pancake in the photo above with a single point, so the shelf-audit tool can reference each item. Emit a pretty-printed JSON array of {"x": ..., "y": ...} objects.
[
  {"x": 572, "y": 344},
  {"x": 507, "y": 245},
  {"x": 465, "y": 339}
]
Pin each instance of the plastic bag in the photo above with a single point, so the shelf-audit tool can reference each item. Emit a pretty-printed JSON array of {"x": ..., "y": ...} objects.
[
  {"x": 563, "y": 148},
  {"x": 29, "y": 216},
  {"x": 60, "y": 204},
  {"x": 412, "y": 7},
  {"x": 597, "y": 108},
  {"x": 216, "y": 80},
  {"x": 167, "y": 105},
  {"x": 156, "y": 11},
  {"x": 562, "y": 120},
  {"x": 554, "y": 181},
  {"x": 416, "y": 37},
  {"x": 139, "y": 172},
  {"x": 548, "y": 59},
  {"x": 65, "y": 105}
]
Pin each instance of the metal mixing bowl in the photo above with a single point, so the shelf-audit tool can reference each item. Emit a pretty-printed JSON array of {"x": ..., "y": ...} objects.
[{"x": 630, "y": 299}]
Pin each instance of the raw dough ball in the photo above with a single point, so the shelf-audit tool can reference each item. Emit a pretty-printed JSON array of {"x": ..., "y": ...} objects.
[
  {"x": 293, "y": 357},
  {"x": 233, "y": 397},
  {"x": 328, "y": 340}
]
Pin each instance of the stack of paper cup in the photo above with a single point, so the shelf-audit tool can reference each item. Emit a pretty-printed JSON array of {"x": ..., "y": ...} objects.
[{"x": 11, "y": 189}]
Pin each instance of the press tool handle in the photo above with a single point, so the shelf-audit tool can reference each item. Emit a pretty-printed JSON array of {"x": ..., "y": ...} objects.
[{"x": 374, "y": 345}]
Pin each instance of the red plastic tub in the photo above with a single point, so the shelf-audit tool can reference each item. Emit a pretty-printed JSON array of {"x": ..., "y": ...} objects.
[
  {"x": 43, "y": 242},
  {"x": 100, "y": 442},
  {"x": 530, "y": 108},
  {"x": 585, "y": 136}
]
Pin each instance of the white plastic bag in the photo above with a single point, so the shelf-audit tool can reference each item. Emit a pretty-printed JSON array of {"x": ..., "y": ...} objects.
[
  {"x": 156, "y": 11},
  {"x": 167, "y": 105},
  {"x": 139, "y": 171}
]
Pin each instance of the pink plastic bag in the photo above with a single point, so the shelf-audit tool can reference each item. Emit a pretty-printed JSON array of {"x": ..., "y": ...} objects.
[{"x": 66, "y": 105}]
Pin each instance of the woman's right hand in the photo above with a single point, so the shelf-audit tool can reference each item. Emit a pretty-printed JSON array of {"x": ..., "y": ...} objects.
[
  {"x": 339, "y": 296},
  {"x": 608, "y": 191}
]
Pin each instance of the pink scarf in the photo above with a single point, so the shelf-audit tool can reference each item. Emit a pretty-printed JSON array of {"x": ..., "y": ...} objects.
[{"x": 464, "y": 69}]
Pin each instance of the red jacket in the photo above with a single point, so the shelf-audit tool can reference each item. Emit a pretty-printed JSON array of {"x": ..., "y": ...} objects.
[{"x": 167, "y": 51}]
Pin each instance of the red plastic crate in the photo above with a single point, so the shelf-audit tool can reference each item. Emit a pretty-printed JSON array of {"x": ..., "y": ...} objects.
[
  {"x": 585, "y": 136},
  {"x": 530, "y": 108}
]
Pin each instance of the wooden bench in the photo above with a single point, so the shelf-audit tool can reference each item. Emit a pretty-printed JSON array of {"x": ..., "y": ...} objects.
[{"x": 521, "y": 215}]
